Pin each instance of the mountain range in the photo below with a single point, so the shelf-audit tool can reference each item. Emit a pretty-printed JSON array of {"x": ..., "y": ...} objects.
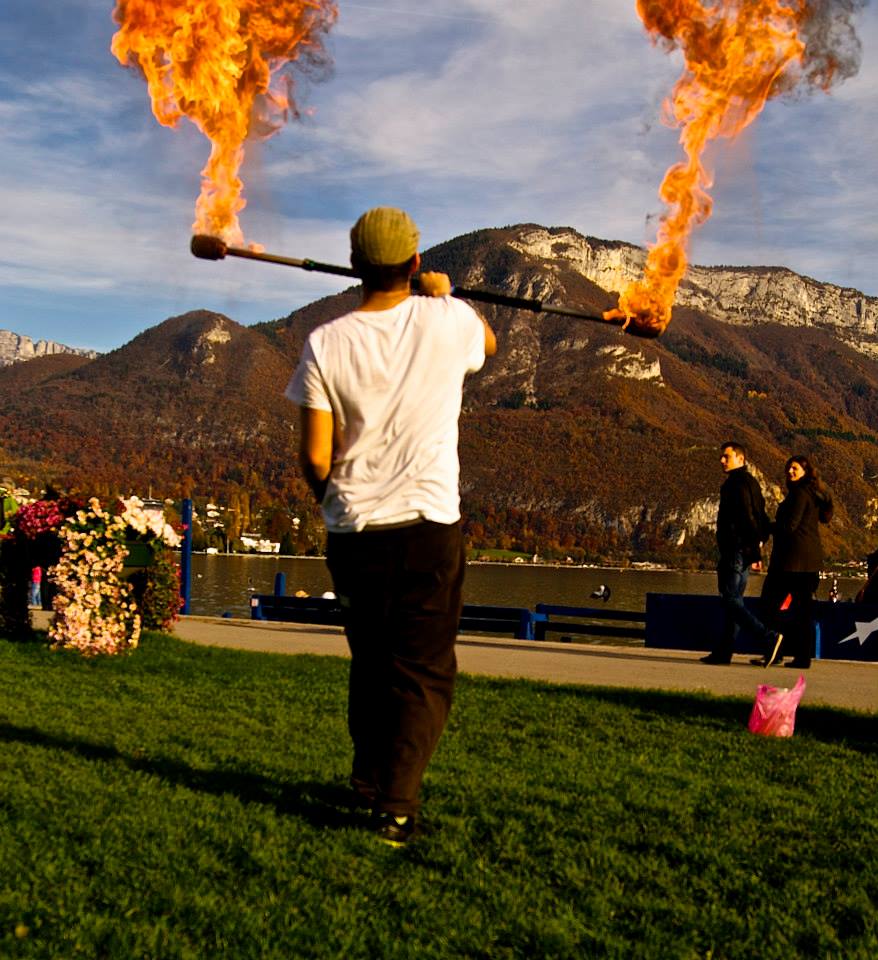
[
  {"x": 15, "y": 347},
  {"x": 576, "y": 439}
]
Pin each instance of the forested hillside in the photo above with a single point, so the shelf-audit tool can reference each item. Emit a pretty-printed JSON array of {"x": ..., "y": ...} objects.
[{"x": 577, "y": 440}]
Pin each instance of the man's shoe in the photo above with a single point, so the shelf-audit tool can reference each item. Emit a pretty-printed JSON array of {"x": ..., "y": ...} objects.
[
  {"x": 391, "y": 828},
  {"x": 799, "y": 664},
  {"x": 713, "y": 658}
]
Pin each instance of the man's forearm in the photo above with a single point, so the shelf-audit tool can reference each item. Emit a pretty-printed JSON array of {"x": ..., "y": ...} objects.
[
  {"x": 315, "y": 449},
  {"x": 315, "y": 478}
]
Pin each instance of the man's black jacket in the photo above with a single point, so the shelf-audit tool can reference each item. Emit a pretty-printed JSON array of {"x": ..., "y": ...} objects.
[{"x": 741, "y": 524}]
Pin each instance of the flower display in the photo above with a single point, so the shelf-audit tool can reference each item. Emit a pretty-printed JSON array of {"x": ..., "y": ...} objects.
[
  {"x": 39, "y": 517},
  {"x": 158, "y": 592},
  {"x": 148, "y": 524},
  {"x": 96, "y": 608},
  {"x": 14, "y": 616}
]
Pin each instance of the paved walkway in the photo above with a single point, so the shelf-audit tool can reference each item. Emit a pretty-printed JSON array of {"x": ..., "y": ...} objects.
[
  {"x": 830, "y": 682},
  {"x": 836, "y": 683}
]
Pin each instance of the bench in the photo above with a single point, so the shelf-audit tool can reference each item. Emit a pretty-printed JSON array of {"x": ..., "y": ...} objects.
[
  {"x": 517, "y": 621},
  {"x": 272, "y": 606},
  {"x": 581, "y": 621}
]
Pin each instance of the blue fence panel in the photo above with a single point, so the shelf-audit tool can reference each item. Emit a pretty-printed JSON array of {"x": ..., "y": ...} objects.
[{"x": 675, "y": 621}]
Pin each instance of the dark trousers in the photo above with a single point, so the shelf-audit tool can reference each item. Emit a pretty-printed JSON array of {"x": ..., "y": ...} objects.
[
  {"x": 400, "y": 590},
  {"x": 797, "y": 622},
  {"x": 732, "y": 574}
]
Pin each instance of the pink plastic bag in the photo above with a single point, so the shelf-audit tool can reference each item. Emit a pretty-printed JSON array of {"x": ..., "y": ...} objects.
[{"x": 774, "y": 712}]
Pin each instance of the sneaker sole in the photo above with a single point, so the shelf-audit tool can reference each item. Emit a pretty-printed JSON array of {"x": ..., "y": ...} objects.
[{"x": 396, "y": 844}]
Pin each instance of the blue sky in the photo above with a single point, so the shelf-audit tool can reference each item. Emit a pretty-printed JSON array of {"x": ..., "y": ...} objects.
[{"x": 471, "y": 114}]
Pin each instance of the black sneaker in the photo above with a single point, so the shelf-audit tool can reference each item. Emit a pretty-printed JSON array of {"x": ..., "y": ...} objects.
[
  {"x": 714, "y": 658},
  {"x": 391, "y": 828}
]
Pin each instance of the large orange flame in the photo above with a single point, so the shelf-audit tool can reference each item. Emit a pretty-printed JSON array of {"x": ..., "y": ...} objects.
[
  {"x": 220, "y": 63},
  {"x": 738, "y": 54}
]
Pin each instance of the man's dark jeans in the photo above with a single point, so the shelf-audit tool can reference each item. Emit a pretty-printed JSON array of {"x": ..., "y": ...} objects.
[
  {"x": 732, "y": 574},
  {"x": 400, "y": 590}
]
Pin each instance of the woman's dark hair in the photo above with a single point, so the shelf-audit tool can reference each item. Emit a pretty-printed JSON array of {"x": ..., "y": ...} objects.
[
  {"x": 805, "y": 464},
  {"x": 812, "y": 479}
]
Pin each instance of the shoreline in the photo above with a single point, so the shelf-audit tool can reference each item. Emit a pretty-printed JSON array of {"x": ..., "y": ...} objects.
[{"x": 846, "y": 571}]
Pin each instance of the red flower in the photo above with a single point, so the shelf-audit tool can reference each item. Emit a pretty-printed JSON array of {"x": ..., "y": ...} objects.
[{"x": 44, "y": 516}]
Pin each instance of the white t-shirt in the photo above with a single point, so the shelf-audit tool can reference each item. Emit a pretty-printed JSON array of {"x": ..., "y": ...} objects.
[{"x": 393, "y": 380}]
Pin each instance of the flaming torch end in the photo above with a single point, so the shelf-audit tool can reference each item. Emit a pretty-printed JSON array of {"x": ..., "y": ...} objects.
[
  {"x": 641, "y": 324},
  {"x": 646, "y": 331},
  {"x": 208, "y": 248}
]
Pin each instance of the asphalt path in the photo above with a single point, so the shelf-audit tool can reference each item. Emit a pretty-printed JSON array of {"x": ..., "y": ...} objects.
[{"x": 837, "y": 683}]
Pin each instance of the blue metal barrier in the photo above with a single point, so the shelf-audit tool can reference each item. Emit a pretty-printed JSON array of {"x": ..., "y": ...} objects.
[
  {"x": 675, "y": 621},
  {"x": 581, "y": 620},
  {"x": 517, "y": 621}
]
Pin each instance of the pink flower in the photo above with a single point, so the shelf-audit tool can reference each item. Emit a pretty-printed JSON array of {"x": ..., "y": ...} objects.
[{"x": 41, "y": 516}]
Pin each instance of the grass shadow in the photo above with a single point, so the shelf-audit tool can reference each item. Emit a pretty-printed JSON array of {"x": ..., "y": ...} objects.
[
  {"x": 859, "y": 731},
  {"x": 320, "y": 804}
]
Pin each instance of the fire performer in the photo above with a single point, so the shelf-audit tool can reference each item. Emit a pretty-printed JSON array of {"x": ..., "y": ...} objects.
[
  {"x": 741, "y": 526},
  {"x": 379, "y": 391}
]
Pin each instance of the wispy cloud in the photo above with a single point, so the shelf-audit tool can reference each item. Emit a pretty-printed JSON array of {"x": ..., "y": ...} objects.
[
  {"x": 474, "y": 113},
  {"x": 500, "y": 104}
]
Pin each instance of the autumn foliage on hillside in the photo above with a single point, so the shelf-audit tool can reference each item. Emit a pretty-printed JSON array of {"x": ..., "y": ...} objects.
[{"x": 575, "y": 439}]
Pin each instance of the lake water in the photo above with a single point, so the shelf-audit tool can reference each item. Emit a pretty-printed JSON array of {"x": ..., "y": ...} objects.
[{"x": 223, "y": 584}]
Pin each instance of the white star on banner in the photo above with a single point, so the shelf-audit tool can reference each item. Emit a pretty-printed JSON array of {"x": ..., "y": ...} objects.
[{"x": 863, "y": 632}]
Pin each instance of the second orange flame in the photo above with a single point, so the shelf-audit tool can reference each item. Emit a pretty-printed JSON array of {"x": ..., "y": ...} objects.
[{"x": 735, "y": 53}]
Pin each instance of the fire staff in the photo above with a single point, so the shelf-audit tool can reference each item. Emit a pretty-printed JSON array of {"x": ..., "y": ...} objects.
[
  {"x": 642, "y": 324},
  {"x": 379, "y": 391}
]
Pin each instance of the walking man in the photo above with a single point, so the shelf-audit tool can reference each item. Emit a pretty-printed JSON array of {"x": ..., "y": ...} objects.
[
  {"x": 379, "y": 391},
  {"x": 741, "y": 527}
]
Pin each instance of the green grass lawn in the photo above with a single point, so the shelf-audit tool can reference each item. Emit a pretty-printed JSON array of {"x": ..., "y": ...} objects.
[{"x": 191, "y": 802}]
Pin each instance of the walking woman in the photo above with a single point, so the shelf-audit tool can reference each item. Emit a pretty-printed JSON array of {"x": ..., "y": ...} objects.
[{"x": 796, "y": 561}]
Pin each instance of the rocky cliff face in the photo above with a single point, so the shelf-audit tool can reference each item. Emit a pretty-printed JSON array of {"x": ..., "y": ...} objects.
[
  {"x": 576, "y": 440},
  {"x": 14, "y": 347},
  {"x": 737, "y": 295}
]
